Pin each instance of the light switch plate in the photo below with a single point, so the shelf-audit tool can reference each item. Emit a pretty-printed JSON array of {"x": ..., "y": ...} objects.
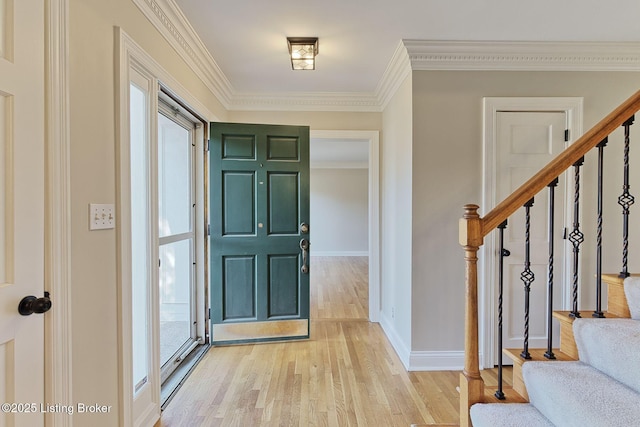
[{"x": 101, "y": 216}]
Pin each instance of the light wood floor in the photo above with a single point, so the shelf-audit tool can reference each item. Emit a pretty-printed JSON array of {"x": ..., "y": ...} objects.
[
  {"x": 347, "y": 374},
  {"x": 339, "y": 288}
]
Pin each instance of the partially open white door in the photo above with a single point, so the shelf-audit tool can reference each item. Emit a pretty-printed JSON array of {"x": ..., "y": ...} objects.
[
  {"x": 526, "y": 142},
  {"x": 21, "y": 210},
  {"x": 521, "y": 135}
]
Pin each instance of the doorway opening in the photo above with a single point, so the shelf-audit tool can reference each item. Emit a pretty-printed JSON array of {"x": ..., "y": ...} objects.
[{"x": 345, "y": 180}]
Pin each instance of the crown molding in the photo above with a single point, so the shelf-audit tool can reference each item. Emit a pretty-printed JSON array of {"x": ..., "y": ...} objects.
[
  {"x": 523, "y": 56},
  {"x": 169, "y": 20},
  {"x": 398, "y": 69},
  {"x": 410, "y": 55}
]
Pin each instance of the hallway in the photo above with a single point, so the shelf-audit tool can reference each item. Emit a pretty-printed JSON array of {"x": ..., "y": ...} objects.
[{"x": 347, "y": 374}]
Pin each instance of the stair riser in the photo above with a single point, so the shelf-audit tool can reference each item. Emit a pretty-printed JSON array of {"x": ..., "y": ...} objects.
[
  {"x": 617, "y": 303},
  {"x": 518, "y": 382},
  {"x": 567, "y": 341},
  {"x": 616, "y": 298}
]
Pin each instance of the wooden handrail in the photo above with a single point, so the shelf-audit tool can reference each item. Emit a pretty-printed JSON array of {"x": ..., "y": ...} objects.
[
  {"x": 473, "y": 229},
  {"x": 561, "y": 163}
]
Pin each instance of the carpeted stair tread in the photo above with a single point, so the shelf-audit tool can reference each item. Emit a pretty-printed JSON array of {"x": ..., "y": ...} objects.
[
  {"x": 611, "y": 346},
  {"x": 575, "y": 394},
  {"x": 507, "y": 415}
]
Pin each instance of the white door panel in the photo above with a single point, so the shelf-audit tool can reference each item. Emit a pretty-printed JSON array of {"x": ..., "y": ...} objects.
[
  {"x": 21, "y": 209},
  {"x": 526, "y": 142}
]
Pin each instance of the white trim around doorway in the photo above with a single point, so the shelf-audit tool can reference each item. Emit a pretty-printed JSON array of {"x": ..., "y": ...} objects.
[{"x": 58, "y": 322}]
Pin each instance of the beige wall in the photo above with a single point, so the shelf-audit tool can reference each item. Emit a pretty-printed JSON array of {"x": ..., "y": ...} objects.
[
  {"x": 93, "y": 253},
  {"x": 396, "y": 220},
  {"x": 447, "y": 173},
  {"x": 339, "y": 211}
]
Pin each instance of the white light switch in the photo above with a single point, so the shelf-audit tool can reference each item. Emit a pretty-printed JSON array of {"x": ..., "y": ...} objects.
[{"x": 101, "y": 216}]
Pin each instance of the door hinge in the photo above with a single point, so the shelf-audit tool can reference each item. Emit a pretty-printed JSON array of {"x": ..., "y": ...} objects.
[
  {"x": 566, "y": 135},
  {"x": 564, "y": 234},
  {"x": 209, "y": 314},
  {"x": 207, "y": 145},
  {"x": 208, "y": 229}
]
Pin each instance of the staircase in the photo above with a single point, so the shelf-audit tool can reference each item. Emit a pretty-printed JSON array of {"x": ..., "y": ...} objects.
[
  {"x": 601, "y": 388},
  {"x": 593, "y": 379}
]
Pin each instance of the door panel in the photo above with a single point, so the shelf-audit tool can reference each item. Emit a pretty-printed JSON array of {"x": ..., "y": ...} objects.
[
  {"x": 259, "y": 183},
  {"x": 283, "y": 193},
  {"x": 282, "y": 148},
  {"x": 22, "y": 196},
  {"x": 239, "y": 203},
  {"x": 239, "y": 147},
  {"x": 526, "y": 142},
  {"x": 239, "y": 288},
  {"x": 283, "y": 285}
]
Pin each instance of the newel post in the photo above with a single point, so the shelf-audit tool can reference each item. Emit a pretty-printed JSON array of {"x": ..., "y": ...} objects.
[{"x": 471, "y": 383}]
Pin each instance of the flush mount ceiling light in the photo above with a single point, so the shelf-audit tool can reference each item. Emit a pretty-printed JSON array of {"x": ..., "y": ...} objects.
[{"x": 303, "y": 51}]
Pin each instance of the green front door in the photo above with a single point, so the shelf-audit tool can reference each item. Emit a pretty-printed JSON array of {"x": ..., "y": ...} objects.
[{"x": 259, "y": 211}]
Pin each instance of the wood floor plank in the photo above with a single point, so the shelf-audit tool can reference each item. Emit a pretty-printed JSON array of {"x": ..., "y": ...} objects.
[{"x": 346, "y": 374}]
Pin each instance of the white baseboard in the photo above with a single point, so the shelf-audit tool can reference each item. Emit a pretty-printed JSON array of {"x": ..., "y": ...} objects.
[
  {"x": 436, "y": 360},
  {"x": 339, "y": 253},
  {"x": 421, "y": 360},
  {"x": 396, "y": 342}
]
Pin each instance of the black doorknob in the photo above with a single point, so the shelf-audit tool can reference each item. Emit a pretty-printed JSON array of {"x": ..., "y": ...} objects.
[{"x": 31, "y": 304}]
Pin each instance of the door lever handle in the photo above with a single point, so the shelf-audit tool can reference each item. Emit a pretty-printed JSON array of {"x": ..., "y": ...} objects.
[
  {"x": 506, "y": 252},
  {"x": 304, "y": 245}
]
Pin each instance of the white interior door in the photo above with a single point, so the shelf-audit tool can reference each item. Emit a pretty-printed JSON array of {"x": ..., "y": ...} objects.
[
  {"x": 21, "y": 210},
  {"x": 526, "y": 142}
]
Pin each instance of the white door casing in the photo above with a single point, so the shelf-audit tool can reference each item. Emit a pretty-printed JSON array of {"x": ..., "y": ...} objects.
[
  {"x": 22, "y": 197},
  {"x": 521, "y": 135}
]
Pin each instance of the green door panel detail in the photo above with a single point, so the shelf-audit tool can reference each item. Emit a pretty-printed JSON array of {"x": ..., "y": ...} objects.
[
  {"x": 238, "y": 203},
  {"x": 239, "y": 147},
  {"x": 238, "y": 287},
  {"x": 283, "y": 194},
  {"x": 279, "y": 148},
  {"x": 283, "y": 285}
]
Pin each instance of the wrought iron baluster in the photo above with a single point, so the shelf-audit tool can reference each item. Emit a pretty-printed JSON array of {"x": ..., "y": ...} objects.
[
  {"x": 598, "y": 312},
  {"x": 527, "y": 277},
  {"x": 503, "y": 253},
  {"x": 626, "y": 200},
  {"x": 576, "y": 237},
  {"x": 552, "y": 193}
]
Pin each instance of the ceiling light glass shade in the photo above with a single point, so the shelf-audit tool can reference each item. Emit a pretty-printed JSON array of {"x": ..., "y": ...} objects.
[{"x": 303, "y": 51}]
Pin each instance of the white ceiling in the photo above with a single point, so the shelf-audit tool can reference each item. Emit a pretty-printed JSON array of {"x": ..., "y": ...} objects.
[{"x": 247, "y": 38}]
